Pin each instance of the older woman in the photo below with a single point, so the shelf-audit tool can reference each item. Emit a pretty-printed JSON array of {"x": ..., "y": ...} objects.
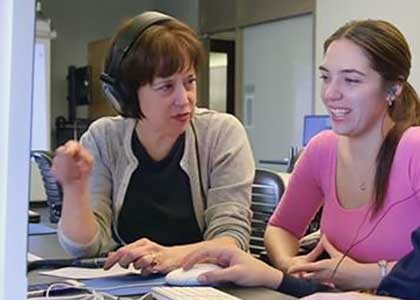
[{"x": 164, "y": 177}]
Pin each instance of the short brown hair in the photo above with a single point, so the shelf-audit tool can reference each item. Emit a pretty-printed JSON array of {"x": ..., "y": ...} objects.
[{"x": 161, "y": 50}]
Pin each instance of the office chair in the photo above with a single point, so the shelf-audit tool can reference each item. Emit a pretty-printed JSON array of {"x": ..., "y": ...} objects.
[
  {"x": 52, "y": 188},
  {"x": 267, "y": 189},
  {"x": 294, "y": 155}
]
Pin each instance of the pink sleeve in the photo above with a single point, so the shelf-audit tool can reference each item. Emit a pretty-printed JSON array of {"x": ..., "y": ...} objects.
[{"x": 304, "y": 193}]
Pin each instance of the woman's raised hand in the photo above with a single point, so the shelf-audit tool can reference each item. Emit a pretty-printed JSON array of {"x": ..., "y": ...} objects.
[{"x": 72, "y": 164}]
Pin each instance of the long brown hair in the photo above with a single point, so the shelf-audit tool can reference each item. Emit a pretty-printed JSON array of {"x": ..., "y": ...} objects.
[{"x": 389, "y": 55}]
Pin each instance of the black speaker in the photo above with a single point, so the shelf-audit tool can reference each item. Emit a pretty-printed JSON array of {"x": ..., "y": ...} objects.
[
  {"x": 79, "y": 88},
  {"x": 79, "y": 82}
]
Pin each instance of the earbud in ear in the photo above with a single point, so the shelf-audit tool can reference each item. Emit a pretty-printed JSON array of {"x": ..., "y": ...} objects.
[
  {"x": 392, "y": 91},
  {"x": 391, "y": 95}
]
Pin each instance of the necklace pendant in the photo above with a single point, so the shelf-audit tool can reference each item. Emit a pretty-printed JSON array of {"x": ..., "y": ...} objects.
[{"x": 362, "y": 186}]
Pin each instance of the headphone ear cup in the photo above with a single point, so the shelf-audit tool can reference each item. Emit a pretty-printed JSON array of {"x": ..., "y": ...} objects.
[
  {"x": 122, "y": 98},
  {"x": 130, "y": 104},
  {"x": 113, "y": 96}
]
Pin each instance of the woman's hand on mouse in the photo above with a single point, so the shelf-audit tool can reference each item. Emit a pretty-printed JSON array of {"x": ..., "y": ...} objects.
[{"x": 239, "y": 267}]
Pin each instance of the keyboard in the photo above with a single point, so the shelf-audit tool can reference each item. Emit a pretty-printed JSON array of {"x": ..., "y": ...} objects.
[{"x": 190, "y": 293}]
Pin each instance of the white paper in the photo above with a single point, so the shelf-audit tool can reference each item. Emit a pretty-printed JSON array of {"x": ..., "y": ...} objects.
[
  {"x": 90, "y": 273},
  {"x": 33, "y": 257}
]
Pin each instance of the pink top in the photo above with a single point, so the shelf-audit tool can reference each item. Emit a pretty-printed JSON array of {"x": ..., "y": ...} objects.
[{"x": 313, "y": 183}]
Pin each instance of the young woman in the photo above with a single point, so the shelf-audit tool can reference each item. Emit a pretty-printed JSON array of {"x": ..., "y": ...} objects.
[
  {"x": 365, "y": 172},
  {"x": 163, "y": 178}
]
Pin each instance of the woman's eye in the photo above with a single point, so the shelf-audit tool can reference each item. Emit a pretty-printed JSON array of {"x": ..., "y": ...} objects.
[
  {"x": 190, "y": 82},
  {"x": 323, "y": 77},
  {"x": 165, "y": 87},
  {"x": 352, "y": 80}
]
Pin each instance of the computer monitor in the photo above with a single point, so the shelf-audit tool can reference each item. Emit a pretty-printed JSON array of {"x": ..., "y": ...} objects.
[
  {"x": 314, "y": 124},
  {"x": 17, "y": 20}
]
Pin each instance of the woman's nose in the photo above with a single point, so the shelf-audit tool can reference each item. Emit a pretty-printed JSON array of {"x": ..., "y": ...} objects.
[
  {"x": 332, "y": 91},
  {"x": 181, "y": 96}
]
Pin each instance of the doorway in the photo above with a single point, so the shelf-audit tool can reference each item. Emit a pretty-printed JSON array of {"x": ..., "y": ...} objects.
[{"x": 222, "y": 75}]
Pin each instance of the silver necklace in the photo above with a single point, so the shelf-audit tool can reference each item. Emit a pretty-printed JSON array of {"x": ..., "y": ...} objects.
[{"x": 362, "y": 186}]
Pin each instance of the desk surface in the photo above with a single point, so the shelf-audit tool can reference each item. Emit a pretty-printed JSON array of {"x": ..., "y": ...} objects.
[{"x": 47, "y": 246}]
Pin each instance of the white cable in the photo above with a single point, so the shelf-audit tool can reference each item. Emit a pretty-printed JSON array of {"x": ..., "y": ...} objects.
[
  {"x": 144, "y": 296},
  {"x": 94, "y": 294},
  {"x": 73, "y": 297}
]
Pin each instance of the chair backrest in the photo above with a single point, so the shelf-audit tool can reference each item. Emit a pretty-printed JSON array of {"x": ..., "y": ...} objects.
[
  {"x": 267, "y": 189},
  {"x": 52, "y": 188}
]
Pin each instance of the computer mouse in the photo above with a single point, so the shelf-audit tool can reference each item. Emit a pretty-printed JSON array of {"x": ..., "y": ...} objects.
[{"x": 189, "y": 277}]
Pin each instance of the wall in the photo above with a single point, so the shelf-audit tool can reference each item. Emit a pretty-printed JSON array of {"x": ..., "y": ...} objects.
[
  {"x": 219, "y": 16},
  {"x": 277, "y": 85},
  {"x": 185, "y": 10},
  {"x": 223, "y": 15},
  {"x": 331, "y": 14}
]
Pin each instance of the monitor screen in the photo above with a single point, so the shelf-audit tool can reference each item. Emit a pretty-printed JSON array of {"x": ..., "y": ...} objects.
[{"x": 314, "y": 124}]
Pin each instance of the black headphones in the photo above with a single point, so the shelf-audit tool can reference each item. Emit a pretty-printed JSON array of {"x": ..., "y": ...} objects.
[{"x": 121, "y": 97}]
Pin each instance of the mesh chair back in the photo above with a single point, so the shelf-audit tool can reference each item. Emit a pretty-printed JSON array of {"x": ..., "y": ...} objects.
[
  {"x": 52, "y": 188},
  {"x": 267, "y": 189}
]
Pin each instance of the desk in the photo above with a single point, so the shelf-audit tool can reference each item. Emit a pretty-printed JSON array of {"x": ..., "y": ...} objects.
[{"x": 47, "y": 246}]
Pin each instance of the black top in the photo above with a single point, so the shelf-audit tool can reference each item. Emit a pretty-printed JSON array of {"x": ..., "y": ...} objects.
[
  {"x": 300, "y": 287},
  {"x": 158, "y": 202},
  {"x": 404, "y": 279}
]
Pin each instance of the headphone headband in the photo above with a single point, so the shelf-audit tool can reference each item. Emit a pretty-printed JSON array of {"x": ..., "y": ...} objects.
[
  {"x": 124, "y": 101},
  {"x": 125, "y": 42}
]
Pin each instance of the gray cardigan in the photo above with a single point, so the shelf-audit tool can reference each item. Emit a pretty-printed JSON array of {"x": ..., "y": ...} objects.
[{"x": 227, "y": 173}]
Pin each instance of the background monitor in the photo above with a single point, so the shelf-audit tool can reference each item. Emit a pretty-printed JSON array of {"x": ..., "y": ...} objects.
[{"x": 314, "y": 124}]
